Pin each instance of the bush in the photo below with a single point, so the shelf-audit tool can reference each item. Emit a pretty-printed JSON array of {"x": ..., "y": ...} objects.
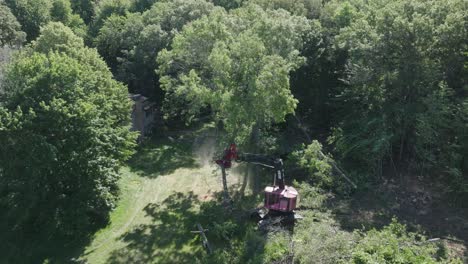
[
  {"x": 311, "y": 197},
  {"x": 277, "y": 247},
  {"x": 315, "y": 163},
  {"x": 318, "y": 239},
  {"x": 393, "y": 244}
]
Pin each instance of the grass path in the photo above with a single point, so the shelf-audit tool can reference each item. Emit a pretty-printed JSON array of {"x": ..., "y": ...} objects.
[{"x": 143, "y": 188}]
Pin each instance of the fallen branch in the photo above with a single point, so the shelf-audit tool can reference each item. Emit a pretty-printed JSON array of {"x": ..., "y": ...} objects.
[{"x": 205, "y": 242}]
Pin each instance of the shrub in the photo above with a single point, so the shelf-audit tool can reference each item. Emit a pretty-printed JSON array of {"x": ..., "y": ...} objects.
[
  {"x": 315, "y": 163},
  {"x": 393, "y": 244}
]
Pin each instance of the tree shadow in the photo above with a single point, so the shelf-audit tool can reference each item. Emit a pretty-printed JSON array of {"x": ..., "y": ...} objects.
[
  {"x": 375, "y": 208},
  {"x": 167, "y": 237},
  {"x": 164, "y": 238},
  {"x": 43, "y": 247},
  {"x": 161, "y": 156}
]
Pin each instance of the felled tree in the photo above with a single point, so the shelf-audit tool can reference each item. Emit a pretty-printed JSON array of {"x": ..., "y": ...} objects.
[
  {"x": 64, "y": 128},
  {"x": 237, "y": 64}
]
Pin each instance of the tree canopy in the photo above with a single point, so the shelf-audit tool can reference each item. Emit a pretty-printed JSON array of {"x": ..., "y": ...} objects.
[
  {"x": 130, "y": 43},
  {"x": 402, "y": 97},
  {"x": 31, "y": 14},
  {"x": 64, "y": 125},
  {"x": 10, "y": 29},
  {"x": 84, "y": 8},
  {"x": 381, "y": 85},
  {"x": 238, "y": 64}
]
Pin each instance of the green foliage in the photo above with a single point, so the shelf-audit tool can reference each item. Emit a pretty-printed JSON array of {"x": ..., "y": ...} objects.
[
  {"x": 77, "y": 25},
  {"x": 31, "y": 14},
  {"x": 317, "y": 165},
  {"x": 308, "y": 8},
  {"x": 277, "y": 247},
  {"x": 103, "y": 10},
  {"x": 56, "y": 37},
  {"x": 393, "y": 244},
  {"x": 141, "y": 5},
  {"x": 65, "y": 128},
  {"x": 399, "y": 102},
  {"x": 10, "y": 29},
  {"x": 385, "y": 80},
  {"x": 130, "y": 44},
  {"x": 318, "y": 239},
  {"x": 61, "y": 11},
  {"x": 84, "y": 8},
  {"x": 118, "y": 34},
  {"x": 237, "y": 64},
  {"x": 312, "y": 197},
  {"x": 228, "y": 4}
]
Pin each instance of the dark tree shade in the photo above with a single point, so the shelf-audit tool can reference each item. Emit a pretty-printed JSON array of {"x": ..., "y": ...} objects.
[{"x": 84, "y": 8}]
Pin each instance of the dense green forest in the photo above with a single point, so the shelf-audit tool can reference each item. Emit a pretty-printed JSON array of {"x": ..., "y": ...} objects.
[{"x": 365, "y": 100}]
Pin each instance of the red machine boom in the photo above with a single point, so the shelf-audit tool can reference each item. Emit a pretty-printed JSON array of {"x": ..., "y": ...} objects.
[{"x": 280, "y": 198}]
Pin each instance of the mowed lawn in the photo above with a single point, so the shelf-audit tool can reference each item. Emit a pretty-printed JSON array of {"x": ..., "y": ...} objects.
[{"x": 162, "y": 189}]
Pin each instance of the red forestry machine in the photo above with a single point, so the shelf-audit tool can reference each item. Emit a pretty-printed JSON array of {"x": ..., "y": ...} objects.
[{"x": 279, "y": 198}]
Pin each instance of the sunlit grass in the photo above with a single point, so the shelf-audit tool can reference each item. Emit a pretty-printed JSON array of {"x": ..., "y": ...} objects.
[{"x": 160, "y": 169}]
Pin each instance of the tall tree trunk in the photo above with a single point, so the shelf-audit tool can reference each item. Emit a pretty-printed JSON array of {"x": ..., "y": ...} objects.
[{"x": 227, "y": 199}]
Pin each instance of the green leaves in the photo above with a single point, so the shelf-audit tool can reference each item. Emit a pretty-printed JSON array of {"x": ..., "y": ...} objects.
[
  {"x": 57, "y": 37},
  {"x": 308, "y": 8},
  {"x": 130, "y": 42},
  {"x": 10, "y": 29},
  {"x": 66, "y": 131},
  {"x": 318, "y": 166},
  {"x": 242, "y": 60},
  {"x": 34, "y": 14},
  {"x": 393, "y": 244},
  {"x": 395, "y": 67},
  {"x": 31, "y": 14}
]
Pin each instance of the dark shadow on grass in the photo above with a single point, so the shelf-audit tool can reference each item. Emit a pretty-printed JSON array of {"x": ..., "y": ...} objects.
[
  {"x": 374, "y": 208},
  {"x": 162, "y": 240},
  {"x": 167, "y": 238},
  {"x": 38, "y": 247},
  {"x": 161, "y": 156}
]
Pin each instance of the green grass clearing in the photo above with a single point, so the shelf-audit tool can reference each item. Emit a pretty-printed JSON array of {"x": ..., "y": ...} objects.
[{"x": 162, "y": 191}]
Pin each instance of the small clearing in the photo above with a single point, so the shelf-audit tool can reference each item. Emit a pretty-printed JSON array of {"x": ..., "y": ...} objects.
[{"x": 157, "y": 192}]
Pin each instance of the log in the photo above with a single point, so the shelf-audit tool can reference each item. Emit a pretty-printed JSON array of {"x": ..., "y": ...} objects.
[{"x": 205, "y": 242}]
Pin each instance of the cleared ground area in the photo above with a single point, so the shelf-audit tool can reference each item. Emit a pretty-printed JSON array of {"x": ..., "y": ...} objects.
[{"x": 162, "y": 190}]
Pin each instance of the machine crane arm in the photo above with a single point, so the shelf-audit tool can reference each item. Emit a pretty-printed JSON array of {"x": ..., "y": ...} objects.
[{"x": 276, "y": 164}]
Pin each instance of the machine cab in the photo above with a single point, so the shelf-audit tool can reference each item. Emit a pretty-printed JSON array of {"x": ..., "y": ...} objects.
[{"x": 281, "y": 200}]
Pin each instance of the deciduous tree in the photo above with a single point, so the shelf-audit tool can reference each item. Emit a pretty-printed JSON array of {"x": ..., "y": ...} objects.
[
  {"x": 401, "y": 99},
  {"x": 31, "y": 14},
  {"x": 130, "y": 43},
  {"x": 64, "y": 128},
  {"x": 238, "y": 64},
  {"x": 10, "y": 29}
]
